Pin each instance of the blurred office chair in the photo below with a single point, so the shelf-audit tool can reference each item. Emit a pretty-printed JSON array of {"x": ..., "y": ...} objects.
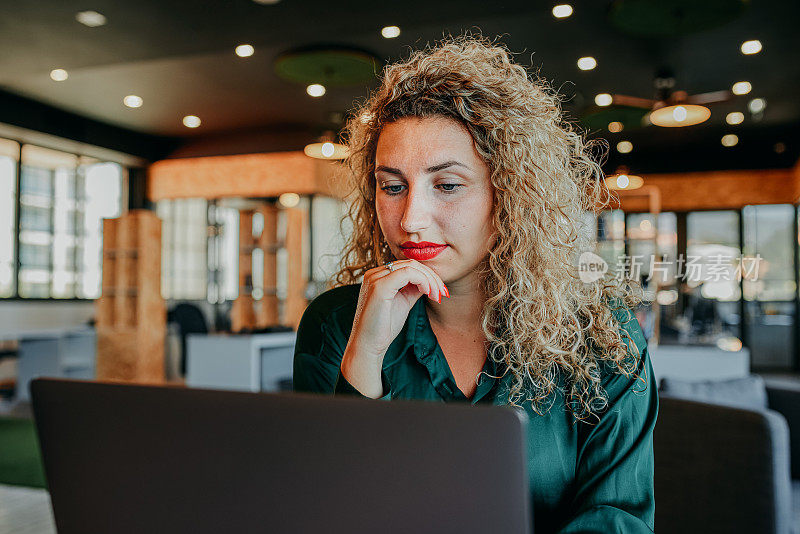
[
  {"x": 722, "y": 457},
  {"x": 190, "y": 320}
]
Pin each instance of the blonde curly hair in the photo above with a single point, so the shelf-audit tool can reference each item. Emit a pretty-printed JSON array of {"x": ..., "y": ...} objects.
[{"x": 541, "y": 320}]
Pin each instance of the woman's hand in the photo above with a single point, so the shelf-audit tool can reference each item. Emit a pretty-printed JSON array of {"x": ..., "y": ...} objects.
[{"x": 383, "y": 305}]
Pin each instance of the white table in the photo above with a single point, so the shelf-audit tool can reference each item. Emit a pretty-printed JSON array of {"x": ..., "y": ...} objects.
[{"x": 249, "y": 362}]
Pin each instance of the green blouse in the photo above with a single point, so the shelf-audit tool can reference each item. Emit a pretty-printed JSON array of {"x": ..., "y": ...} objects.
[{"x": 584, "y": 477}]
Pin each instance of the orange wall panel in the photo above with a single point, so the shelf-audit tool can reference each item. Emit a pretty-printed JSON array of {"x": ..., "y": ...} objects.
[
  {"x": 245, "y": 175},
  {"x": 720, "y": 189}
]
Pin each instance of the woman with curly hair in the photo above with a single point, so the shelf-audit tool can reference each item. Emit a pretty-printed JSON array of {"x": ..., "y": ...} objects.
[{"x": 470, "y": 188}]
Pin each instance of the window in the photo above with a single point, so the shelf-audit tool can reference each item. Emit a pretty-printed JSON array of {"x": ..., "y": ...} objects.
[
  {"x": 712, "y": 290},
  {"x": 611, "y": 239},
  {"x": 184, "y": 242},
  {"x": 667, "y": 240},
  {"x": 768, "y": 234},
  {"x": 641, "y": 229},
  {"x": 328, "y": 239},
  {"x": 61, "y": 202},
  {"x": 9, "y": 155},
  {"x": 713, "y": 243},
  {"x": 769, "y": 285},
  {"x": 101, "y": 193}
]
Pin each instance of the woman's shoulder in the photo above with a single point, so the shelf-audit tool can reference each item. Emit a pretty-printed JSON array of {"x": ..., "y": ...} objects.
[
  {"x": 630, "y": 328},
  {"x": 328, "y": 320},
  {"x": 632, "y": 335},
  {"x": 335, "y": 302}
]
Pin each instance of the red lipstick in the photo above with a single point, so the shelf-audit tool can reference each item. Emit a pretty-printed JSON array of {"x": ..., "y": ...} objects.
[{"x": 424, "y": 250}]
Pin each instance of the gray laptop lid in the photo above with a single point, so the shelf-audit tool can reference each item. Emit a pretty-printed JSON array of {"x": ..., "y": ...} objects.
[{"x": 129, "y": 458}]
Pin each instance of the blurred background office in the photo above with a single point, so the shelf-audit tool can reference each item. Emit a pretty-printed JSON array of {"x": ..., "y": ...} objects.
[{"x": 170, "y": 199}]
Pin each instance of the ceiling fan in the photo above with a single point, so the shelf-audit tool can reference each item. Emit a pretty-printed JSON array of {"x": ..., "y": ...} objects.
[{"x": 671, "y": 108}]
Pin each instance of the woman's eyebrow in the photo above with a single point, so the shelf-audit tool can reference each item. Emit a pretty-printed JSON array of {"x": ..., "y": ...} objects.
[
  {"x": 446, "y": 164},
  {"x": 432, "y": 169},
  {"x": 390, "y": 170}
]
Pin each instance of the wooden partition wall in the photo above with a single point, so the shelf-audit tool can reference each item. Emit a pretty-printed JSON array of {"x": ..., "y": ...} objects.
[
  {"x": 249, "y": 312},
  {"x": 131, "y": 315}
]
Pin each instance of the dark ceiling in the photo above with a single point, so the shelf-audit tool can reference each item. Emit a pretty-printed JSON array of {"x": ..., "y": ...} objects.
[{"x": 178, "y": 56}]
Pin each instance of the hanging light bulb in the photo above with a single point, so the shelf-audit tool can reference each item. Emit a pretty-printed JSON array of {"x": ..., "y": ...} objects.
[
  {"x": 679, "y": 115},
  {"x": 623, "y": 180}
]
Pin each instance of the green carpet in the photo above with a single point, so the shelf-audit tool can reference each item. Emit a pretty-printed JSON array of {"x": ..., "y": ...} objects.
[{"x": 20, "y": 461}]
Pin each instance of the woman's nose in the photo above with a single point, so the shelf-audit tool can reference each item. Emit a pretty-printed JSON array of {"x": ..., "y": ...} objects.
[{"x": 416, "y": 215}]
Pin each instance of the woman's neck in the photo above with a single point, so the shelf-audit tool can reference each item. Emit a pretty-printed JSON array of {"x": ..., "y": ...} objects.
[{"x": 462, "y": 310}]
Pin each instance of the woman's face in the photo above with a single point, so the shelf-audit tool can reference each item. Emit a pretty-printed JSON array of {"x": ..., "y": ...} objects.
[{"x": 431, "y": 185}]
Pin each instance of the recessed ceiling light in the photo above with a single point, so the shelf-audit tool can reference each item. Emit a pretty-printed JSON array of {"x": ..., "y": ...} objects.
[
  {"x": 757, "y": 105},
  {"x": 736, "y": 117},
  {"x": 191, "y": 121},
  {"x": 316, "y": 90},
  {"x": 603, "y": 99},
  {"x": 133, "y": 101},
  {"x": 390, "y": 32},
  {"x": 266, "y": 2},
  {"x": 751, "y": 47},
  {"x": 587, "y": 63},
  {"x": 562, "y": 11},
  {"x": 58, "y": 75},
  {"x": 245, "y": 50},
  {"x": 615, "y": 127},
  {"x": 741, "y": 88},
  {"x": 623, "y": 147},
  {"x": 93, "y": 19},
  {"x": 729, "y": 140}
]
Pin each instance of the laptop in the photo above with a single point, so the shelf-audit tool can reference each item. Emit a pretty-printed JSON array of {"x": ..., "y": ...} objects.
[{"x": 133, "y": 458}]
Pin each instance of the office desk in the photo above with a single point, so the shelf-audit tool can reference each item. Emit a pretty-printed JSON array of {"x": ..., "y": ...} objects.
[
  {"x": 55, "y": 353},
  {"x": 249, "y": 362}
]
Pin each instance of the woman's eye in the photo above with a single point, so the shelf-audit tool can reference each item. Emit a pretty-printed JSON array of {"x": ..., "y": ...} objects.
[{"x": 390, "y": 189}]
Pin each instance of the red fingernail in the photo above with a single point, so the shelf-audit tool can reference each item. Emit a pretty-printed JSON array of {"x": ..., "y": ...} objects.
[{"x": 447, "y": 291}]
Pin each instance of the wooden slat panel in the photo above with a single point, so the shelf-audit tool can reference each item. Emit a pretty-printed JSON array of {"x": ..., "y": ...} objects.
[
  {"x": 246, "y": 175},
  {"x": 269, "y": 241},
  {"x": 242, "y": 312},
  {"x": 296, "y": 272},
  {"x": 720, "y": 189}
]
